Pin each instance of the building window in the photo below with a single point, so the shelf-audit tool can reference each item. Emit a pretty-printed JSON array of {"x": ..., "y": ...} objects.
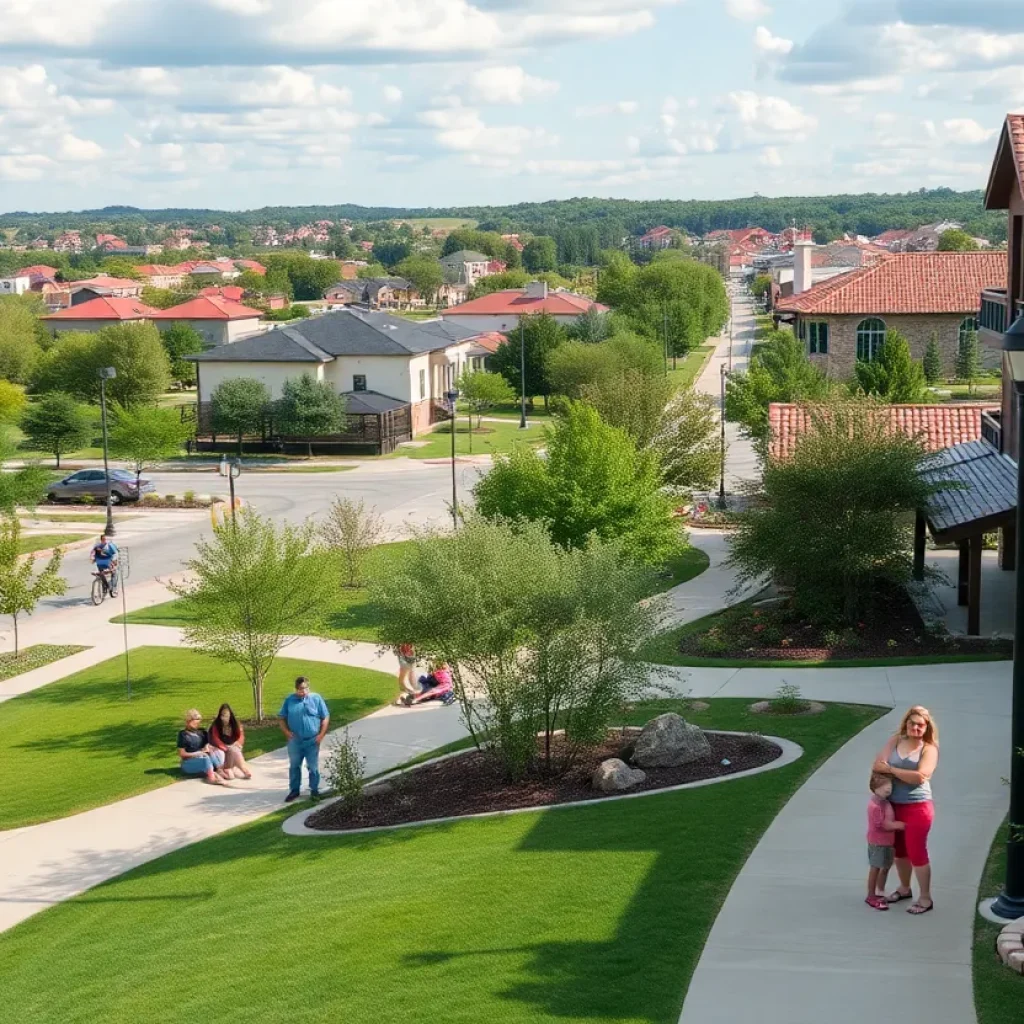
[
  {"x": 359, "y": 382},
  {"x": 969, "y": 325},
  {"x": 817, "y": 339},
  {"x": 423, "y": 384},
  {"x": 870, "y": 336}
]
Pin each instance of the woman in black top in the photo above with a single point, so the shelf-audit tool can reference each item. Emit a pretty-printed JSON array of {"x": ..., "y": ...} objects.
[{"x": 198, "y": 757}]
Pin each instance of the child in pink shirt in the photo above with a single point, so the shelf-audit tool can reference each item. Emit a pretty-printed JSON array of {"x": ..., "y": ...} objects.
[{"x": 882, "y": 824}]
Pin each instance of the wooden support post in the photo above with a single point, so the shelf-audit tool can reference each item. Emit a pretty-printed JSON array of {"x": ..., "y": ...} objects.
[
  {"x": 1008, "y": 547},
  {"x": 974, "y": 587},
  {"x": 961, "y": 576},
  {"x": 919, "y": 546}
]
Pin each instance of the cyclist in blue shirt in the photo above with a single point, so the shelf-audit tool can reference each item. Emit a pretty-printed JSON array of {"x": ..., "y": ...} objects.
[{"x": 104, "y": 554}]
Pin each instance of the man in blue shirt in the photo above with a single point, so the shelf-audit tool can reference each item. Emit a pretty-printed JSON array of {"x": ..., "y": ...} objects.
[
  {"x": 304, "y": 719},
  {"x": 104, "y": 554}
]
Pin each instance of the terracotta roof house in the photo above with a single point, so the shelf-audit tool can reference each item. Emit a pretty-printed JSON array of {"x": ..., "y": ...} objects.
[
  {"x": 219, "y": 320},
  {"x": 40, "y": 269},
  {"x": 161, "y": 275},
  {"x": 657, "y": 238},
  {"x": 253, "y": 265},
  {"x": 500, "y": 311},
  {"x": 101, "y": 311},
  {"x": 356, "y": 350},
  {"x": 103, "y": 285},
  {"x": 231, "y": 292},
  {"x": 845, "y": 318}
]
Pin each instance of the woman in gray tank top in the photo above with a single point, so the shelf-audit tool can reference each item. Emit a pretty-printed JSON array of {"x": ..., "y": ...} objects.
[{"x": 909, "y": 759}]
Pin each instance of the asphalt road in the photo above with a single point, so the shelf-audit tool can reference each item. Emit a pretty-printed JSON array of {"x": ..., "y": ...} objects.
[{"x": 407, "y": 493}]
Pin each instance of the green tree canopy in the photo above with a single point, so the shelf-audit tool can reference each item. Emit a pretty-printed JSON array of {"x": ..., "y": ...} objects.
[
  {"x": 309, "y": 408},
  {"x": 424, "y": 272},
  {"x": 540, "y": 254},
  {"x": 238, "y": 407},
  {"x": 19, "y": 339},
  {"x": 893, "y": 376},
  {"x": 180, "y": 340},
  {"x": 593, "y": 480},
  {"x": 968, "y": 359},
  {"x": 932, "y": 363},
  {"x": 956, "y": 240},
  {"x": 58, "y": 424},
  {"x": 482, "y": 391},
  {"x": 146, "y": 434},
  {"x": 541, "y": 335},
  {"x": 21, "y": 588}
]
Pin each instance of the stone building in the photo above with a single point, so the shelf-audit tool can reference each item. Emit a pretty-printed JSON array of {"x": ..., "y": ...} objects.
[{"x": 918, "y": 294}]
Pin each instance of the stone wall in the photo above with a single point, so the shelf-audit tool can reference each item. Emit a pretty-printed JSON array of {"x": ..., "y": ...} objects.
[{"x": 842, "y": 341}]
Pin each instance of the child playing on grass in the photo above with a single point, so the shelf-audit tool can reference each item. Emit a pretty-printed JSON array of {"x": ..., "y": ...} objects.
[{"x": 882, "y": 825}]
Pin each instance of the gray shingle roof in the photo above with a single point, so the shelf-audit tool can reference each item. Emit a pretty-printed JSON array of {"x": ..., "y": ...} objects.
[
  {"x": 345, "y": 332},
  {"x": 364, "y": 402},
  {"x": 466, "y": 256},
  {"x": 981, "y": 483}
]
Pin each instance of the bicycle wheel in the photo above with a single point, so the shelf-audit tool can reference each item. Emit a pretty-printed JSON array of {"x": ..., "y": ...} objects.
[{"x": 98, "y": 591}]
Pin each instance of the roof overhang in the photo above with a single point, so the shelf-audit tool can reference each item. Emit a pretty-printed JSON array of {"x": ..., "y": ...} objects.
[{"x": 1004, "y": 174}]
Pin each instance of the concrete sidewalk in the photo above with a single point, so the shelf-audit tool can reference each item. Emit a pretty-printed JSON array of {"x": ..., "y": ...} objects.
[
  {"x": 794, "y": 943},
  {"x": 712, "y": 589}
]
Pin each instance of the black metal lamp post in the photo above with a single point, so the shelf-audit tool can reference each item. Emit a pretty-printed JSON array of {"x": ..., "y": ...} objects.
[
  {"x": 453, "y": 397},
  {"x": 721, "y": 424},
  {"x": 522, "y": 374},
  {"x": 106, "y": 373},
  {"x": 232, "y": 469},
  {"x": 1010, "y": 902}
]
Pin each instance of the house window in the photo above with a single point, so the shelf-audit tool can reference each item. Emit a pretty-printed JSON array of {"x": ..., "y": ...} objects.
[
  {"x": 969, "y": 325},
  {"x": 870, "y": 336},
  {"x": 817, "y": 339},
  {"x": 359, "y": 382},
  {"x": 423, "y": 384}
]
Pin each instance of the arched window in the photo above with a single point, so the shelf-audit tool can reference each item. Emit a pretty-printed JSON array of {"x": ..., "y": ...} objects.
[
  {"x": 969, "y": 325},
  {"x": 870, "y": 335}
]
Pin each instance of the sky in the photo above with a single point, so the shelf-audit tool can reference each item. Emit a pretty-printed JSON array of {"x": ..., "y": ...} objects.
[{"x": 235, "y": 104}]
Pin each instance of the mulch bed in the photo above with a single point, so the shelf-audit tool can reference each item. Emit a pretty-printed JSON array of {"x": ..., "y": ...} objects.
[
  {"x": 777, "y": 632},
  {"x": 473, "y": 783}
]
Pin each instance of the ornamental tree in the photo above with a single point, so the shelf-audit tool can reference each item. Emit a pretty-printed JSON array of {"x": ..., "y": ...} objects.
[
  {"x": 147, "y": 434},
  {"x": 57, "y": 424},
  {"x": 238, "y": 407},
  {"x": 309, "y": 408},
  {"x": 483, "y": 390},
  {"x": 893, "y": 376},
  {"x": 21, "y": 588}
]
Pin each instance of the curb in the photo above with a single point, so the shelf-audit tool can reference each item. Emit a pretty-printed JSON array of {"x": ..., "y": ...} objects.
[{"x": 296, "y": 824}]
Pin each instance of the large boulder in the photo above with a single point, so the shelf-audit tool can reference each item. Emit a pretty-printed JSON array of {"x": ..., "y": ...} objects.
[
  {"x": 615, "y": 776},
  {"x": 668, "y": 741}
]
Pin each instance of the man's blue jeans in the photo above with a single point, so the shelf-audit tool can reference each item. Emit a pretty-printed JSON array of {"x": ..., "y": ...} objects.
[{"x": 299, "y": 751}]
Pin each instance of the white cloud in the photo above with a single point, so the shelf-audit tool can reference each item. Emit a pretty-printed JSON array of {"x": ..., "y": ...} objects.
[
  {"x": 508, "y": 84},
  {"x": 606, "y": 109},
  {"x": 747, "y": 10},
  {"x": 771, "y": 45},
  {"x": 24, "y": 167},
  {"x": 463, "y": 130},
  {"x": 965, "y": 131},
  {"x": 770, "y": 115},
  {"x": 770, "y": 157},
  {"x": 392, "y": 94},
  {"x": 75, "y": 149}
]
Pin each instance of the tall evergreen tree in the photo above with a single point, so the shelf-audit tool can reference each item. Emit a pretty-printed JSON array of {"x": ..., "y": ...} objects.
[
  {"x": 968, "y": 361},
  {"x": 932, "y": 360}
]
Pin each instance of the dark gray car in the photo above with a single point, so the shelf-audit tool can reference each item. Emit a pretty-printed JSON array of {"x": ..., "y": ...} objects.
[{"x": 92, "y": 482}]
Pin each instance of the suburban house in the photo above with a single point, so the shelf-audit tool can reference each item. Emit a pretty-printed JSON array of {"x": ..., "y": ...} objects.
[
  {"x": 43, "y": 280},
  {"x": 98, "y": 313},
  {"x": 375, "y": 293},
  {"x": 213, "y": 270},
  {"x": 16, "y": 285},
  {"x": 466, "y": 266},
  {"x": 408, "y": 366},
  {"x": 451, "y": 293},
  {"x": 159, "y": 275},
  {"x": 103, "y": 286},
  {"x": 500, "y": 311},
  {"x": 220, "y": 321},
  {"x": 923, "y": 294},
  {"x": 513, "y": 240},
  {"x": 349, "y": 269},
  {"x": 657, "y": 238},
  {"x": 68, "y": 241},
  {"x": 108, "y": 243}
]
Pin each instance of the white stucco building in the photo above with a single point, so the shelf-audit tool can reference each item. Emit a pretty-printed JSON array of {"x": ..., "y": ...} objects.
[
  {"x": 357, "y": 351},
  {"x": 17, "y": 285}
]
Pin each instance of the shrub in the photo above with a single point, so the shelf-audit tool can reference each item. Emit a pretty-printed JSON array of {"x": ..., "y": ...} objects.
[
  {"x": 344, "y": 770},
  {"x": 188, "y": 497},
  {"x": 711, "y": 643},
  {"x": 893, "y": 375},
  {"x": 351, "y": 530},
  {"x": 788, "y": 701}
]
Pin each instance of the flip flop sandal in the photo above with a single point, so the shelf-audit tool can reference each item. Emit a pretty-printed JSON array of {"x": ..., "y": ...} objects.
[
  {"x": 917, "y": 909},
  {"x": 876, "y": 902},
  {"x": 898, "y": 897}
]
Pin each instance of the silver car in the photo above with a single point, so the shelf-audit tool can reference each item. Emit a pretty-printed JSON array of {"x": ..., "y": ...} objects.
[{"x": 92, "y": 482}]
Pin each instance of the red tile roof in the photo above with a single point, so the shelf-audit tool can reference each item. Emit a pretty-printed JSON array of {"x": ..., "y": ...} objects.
[
  {"x": 490, "y": 341},
  {"x": 918, "y": 282},
  {"x": 256, "y": 268},
  {"x": 104, "y": 308},
  {"x": 208, "y": 307},
  {"x": 160, "y": 270},
  {"x": 231, "y": 292},
  {"x": 37, "y": 268},
  {"x": 938, "y": 426},
  {"x": 514, "y": 301},
  {"x": 103, "y": 281},
  {"x": 893, "y": 235}
]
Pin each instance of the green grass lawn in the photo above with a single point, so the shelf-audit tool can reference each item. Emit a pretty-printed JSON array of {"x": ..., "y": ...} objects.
[
  {"x": 354, "y": 617},
  {"x": 34, "y": 657},
  {"x": 689, "y": 369},
  {"x": 595, "y": 914},
  {"x": 998, "y": 992},
  {"x": 28, "y": 543},
  {"x": 81, "y": 742},
  {"x": 512, "y": 410},
  {"x": 487, "y": 440},
  {"x": 49, "y": 515}
]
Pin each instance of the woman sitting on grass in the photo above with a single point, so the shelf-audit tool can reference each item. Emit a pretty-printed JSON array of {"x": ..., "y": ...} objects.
[
  {"x": 197, "y": 756},
  {"x": 228, "y": 736},
  {"x": 436, "y": 686}
]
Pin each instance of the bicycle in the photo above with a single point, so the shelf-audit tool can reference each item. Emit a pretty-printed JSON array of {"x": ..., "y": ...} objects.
[{"x": 101, "y": 585}]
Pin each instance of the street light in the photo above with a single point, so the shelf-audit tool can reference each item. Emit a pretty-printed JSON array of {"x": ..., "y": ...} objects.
[
  {"x": 106, "y": 373},
  {"x": 721, "y": 420},
  {"x": 453, "y": 397},
  {"x": 1009, "y": 904},
  {"x": 232, "y": 470},
  {"x": 522, "y": 373}
]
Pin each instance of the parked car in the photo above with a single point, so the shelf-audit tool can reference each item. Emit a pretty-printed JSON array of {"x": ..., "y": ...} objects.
[{"x": 92, "y": 482}]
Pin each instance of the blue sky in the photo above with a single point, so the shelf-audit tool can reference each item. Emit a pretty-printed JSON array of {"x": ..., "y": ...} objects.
[{"x": 243, "y": 103}]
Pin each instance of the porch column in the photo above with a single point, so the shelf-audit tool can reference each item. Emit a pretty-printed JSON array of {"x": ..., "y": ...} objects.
[
  {"x": 1008, "y": 547},
  {"x": 961, "y": 576},
  {"x": 919, "y": 546},
  {"x": 974, "y": 586}
]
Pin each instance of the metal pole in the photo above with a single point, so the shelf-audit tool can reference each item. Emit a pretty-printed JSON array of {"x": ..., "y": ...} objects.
[
  {"x": 124, "y": 620},
  {"x": 522, "y": 374},
  {"x": 109, "y": 528},
  {"x": 231, "y": 491},
  {"x": 1010, "y": 902},
  {"x": 455, "y": 500},
  {"x": 664, "y": 336},
  {"x": 721, "y": 484}
]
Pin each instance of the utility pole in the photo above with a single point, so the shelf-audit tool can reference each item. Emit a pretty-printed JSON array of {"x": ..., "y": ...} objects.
[
  {"x": 106, "y": 373},
  {"x": 664, "y": 334},
  {"x": 522, "y": 374},
  {"x": 721, "y": 420}
]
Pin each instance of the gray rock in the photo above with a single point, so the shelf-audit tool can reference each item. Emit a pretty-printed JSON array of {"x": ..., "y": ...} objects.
[
  {"x": 668, "y": 741},
  {"x": 615, "y": 776}
]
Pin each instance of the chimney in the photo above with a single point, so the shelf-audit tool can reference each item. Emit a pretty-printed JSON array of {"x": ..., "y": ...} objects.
[
  {"x": 537, "y": 290},
  {"x": 802, "y": 266}
]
